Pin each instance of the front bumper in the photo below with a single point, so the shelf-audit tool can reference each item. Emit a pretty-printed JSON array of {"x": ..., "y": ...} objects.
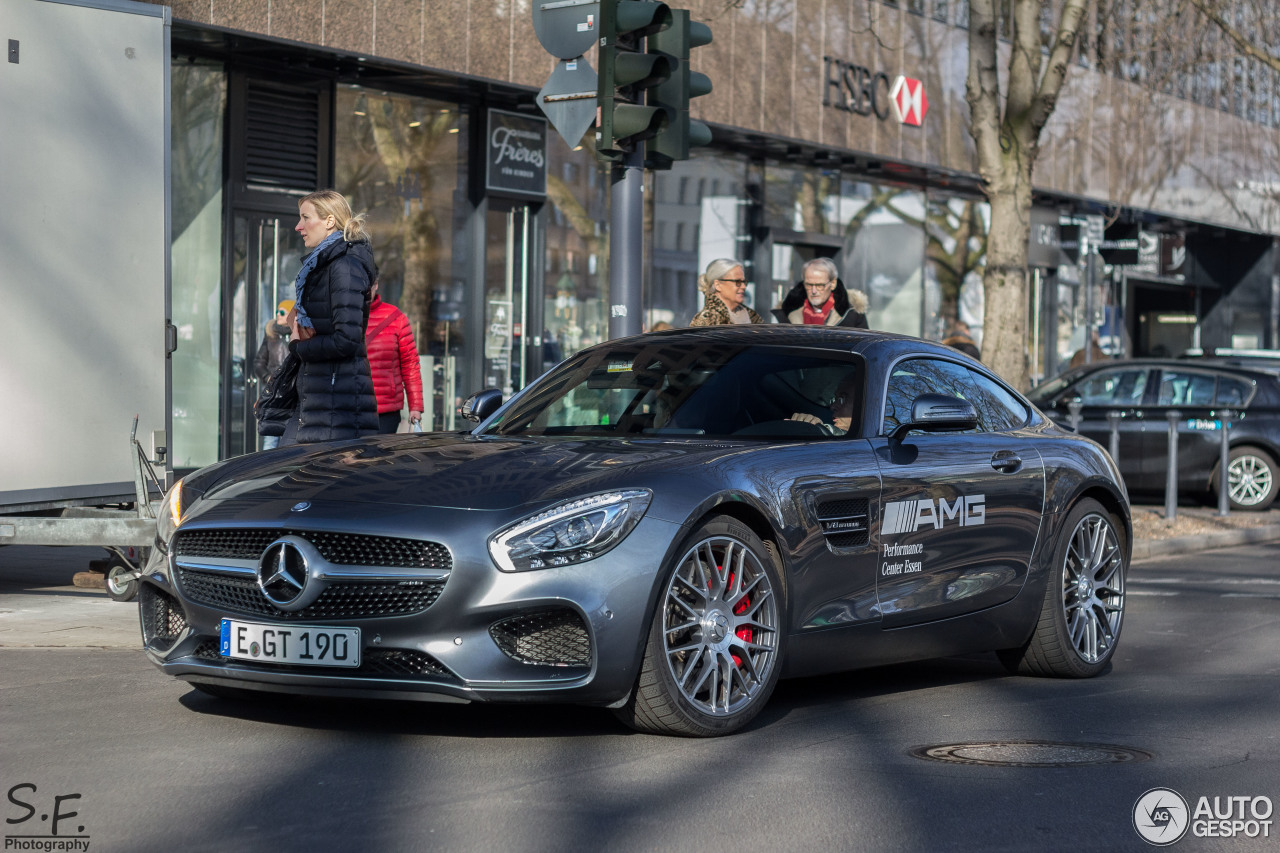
[{"x": 469, "y": 633}]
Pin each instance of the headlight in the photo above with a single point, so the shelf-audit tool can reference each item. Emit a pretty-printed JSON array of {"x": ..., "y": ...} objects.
[
  {"x": 569, "y": 533},
  {"x": 169, "y": 515}
]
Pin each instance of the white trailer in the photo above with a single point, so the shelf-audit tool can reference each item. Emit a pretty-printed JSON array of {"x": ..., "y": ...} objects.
[{"x": 84, "y": 270}]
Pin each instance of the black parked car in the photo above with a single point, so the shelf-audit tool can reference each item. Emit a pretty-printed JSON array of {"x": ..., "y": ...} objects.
[
  {"x": 664, "y": 525},
  {"x": 1143, "y": 390}
]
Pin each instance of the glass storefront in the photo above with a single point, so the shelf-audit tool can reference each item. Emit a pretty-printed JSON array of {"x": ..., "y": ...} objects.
[
  {"x": 955, "y": 255},
  {"x": 575, "y": 311},
  {"x": 402, "y": 160},
  {"x": 695, "y": 213},
  {"x": 199, "y": 99}
]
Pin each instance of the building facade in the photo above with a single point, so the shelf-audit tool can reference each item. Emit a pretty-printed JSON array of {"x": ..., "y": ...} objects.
[{"x": 406, "y": 106}]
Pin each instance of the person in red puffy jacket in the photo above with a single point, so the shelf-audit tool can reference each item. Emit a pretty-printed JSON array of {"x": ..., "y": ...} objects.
[{"x": 393, "y": 360}]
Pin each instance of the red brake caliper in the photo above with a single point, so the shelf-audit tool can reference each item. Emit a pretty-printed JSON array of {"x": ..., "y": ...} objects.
[{"x": 744, "y": 633}]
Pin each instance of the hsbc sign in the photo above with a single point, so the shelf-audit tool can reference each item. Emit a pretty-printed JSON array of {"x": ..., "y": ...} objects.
[
  {"x": 857, "y": 89},
  {"x": 909, "y": 101}
]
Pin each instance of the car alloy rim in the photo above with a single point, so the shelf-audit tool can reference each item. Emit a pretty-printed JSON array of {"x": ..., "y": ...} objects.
[
  {"x": 1093, "y": 588},
  {"x": 720, "y": 626},
  {"x": 1248, "y": 480}
]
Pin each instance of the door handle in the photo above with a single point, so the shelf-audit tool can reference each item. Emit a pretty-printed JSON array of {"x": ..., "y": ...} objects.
[{"x": 1006, "y": 461}]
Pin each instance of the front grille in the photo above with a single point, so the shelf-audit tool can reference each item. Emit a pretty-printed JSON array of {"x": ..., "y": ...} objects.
[
  {"x": 342, "y": 549},
  {"x": 346, "y": 600},
  {"x": 374, "y": 663},
  {"x": 844, "y": 521},
  {"x": 548, "y": 638},
  {"x": 162, "y": 618}
]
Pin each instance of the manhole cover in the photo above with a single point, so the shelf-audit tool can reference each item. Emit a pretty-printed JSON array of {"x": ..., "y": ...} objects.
[{"x": 1030, "y": 753}]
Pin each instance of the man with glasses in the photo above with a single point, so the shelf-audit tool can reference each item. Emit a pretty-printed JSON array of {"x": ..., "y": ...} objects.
[
  {"x": 821, "y": 299},
  {"x": 724, "y": 285}
]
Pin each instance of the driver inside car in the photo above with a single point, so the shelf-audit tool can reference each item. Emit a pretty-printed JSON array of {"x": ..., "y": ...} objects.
[{"x": 841, "y": 409}]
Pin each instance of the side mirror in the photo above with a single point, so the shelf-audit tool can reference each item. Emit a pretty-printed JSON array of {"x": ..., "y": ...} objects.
[
  {"x": 480, "y": 405},
  {"x": 938, "y": 413}
]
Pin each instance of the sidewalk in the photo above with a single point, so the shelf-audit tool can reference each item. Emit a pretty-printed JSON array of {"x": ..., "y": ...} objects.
[
  {"x": 1198, "y": 528},
  {"x": 41, "y": 608}
]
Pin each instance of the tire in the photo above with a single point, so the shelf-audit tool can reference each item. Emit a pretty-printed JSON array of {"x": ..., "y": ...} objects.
[
  {"x": 1084, "y": 598},
  {"x": 715, "y": 646},
  {"x": 1251, "y": 479},
  {"x": 120, "y": 590}
]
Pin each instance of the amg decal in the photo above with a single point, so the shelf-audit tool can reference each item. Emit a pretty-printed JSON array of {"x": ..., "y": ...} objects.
[{"x": 910, "y": 516}]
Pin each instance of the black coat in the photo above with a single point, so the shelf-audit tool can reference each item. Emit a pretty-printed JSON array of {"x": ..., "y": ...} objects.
[
  {"x": 335, "y": 389},
  {"x": 796, "y": 298}
]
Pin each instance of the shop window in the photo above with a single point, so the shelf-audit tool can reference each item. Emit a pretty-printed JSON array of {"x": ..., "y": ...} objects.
[
  {"x": 955, "y": 254},
  {"x": 692, "y": 228},
  {"x": 402, "y": 161},
  {"x": 883, "y": 253},
  {"x": 199, "y": 105},
  {"x": 575, "y": 310}
]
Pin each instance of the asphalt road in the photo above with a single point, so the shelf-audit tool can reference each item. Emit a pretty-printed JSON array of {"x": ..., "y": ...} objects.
[{"x": 827, "y": 766}]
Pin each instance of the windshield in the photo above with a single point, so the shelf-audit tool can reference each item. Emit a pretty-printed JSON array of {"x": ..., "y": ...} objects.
[
  {"x": 1044, "y": 391},
  {"x": 699, "y": 388}
]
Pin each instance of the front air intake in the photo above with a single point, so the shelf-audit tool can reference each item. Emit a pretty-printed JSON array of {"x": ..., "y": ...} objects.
[{"x": 546, "y": 638}]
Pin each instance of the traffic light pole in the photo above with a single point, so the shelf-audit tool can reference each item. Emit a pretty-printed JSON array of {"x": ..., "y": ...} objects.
[{"x": 626, "y": 239}]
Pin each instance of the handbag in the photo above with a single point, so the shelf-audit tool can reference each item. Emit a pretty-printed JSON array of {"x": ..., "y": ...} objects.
[
  {"x": 305, "y": 333},
  {"x": 279, "y": 398}
]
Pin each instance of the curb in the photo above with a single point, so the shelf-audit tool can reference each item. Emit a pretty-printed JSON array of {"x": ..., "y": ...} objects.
[{"x": 1145, "y": 548}]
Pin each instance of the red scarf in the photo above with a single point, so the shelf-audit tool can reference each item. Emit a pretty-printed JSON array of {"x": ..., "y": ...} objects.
[{"x": 818, "y": 317}]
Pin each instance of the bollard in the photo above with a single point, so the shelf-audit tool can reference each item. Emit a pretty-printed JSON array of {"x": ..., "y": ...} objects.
[
  {"x": 1171, "y": 481},
  {"x": 1113, "y": 421},
  {"x": 1073, "y": 407},
  {"x": 1224, "y": 462}
]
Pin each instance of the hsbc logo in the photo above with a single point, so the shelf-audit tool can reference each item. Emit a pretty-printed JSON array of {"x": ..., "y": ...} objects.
[
  {"x": 910, "y": 516},
  {"x": 909, "y": 101},
  {"x": 857, "y": 89}
]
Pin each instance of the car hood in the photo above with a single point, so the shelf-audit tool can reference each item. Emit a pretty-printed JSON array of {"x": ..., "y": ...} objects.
[{"x": 451, "y": 470}]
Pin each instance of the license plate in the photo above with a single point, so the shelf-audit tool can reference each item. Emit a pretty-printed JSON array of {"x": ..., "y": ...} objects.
[{"x": 292, "y": 644}]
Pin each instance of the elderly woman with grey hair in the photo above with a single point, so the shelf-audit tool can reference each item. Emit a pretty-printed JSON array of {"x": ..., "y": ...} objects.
[{"x": 724, "y": 285}]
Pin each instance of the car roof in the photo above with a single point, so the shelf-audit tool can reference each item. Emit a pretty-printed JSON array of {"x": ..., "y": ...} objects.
[
  {"x": 1204, "y": 364},
  {"x": 788, "y": 335}
]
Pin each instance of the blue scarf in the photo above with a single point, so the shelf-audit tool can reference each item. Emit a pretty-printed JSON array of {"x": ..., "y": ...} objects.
[{"x": 308, "y": 264}]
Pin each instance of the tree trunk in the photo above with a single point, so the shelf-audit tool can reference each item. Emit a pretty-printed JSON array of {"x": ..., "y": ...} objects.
[
  {"x": 1006, "y": 127},
  {"x": 1004, "y": 327}
]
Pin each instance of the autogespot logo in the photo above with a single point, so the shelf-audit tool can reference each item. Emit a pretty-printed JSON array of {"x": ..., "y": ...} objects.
[{"x": 1160, "y": 816}]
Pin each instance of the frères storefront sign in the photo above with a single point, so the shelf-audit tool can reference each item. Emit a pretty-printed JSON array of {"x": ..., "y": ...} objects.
[
  {"x": 517, "y": 154},
  {"x": 857, "y": 89}
]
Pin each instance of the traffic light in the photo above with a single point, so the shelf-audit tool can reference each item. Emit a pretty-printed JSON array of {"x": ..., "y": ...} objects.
[
  {"x": 626, "y": 71},
  {"x": 672, "y": 142}
]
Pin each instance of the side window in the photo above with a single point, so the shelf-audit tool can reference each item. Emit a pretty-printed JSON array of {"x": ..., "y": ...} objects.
[
  {"x": 998, "y": 410},
  {"x": 1232, "y": 392},
  {"x": 1114, "y": 388},
  {"x": 1185, "y": 389}
]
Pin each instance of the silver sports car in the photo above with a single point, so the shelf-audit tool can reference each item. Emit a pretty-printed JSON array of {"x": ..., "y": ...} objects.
[{"x": 662, "y": 525}]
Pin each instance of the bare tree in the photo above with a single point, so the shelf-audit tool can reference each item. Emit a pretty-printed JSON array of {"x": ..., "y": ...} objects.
[
  {"x": 1006, "y": 127},
  {"x": 1244, "y": 23}
]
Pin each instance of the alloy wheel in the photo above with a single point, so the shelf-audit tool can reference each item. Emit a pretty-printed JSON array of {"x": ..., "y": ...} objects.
[
  {"x": 1093, "y": 588},
  {"x": 720, "y": 626},
  {"x": 1248, "y": 480}
]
